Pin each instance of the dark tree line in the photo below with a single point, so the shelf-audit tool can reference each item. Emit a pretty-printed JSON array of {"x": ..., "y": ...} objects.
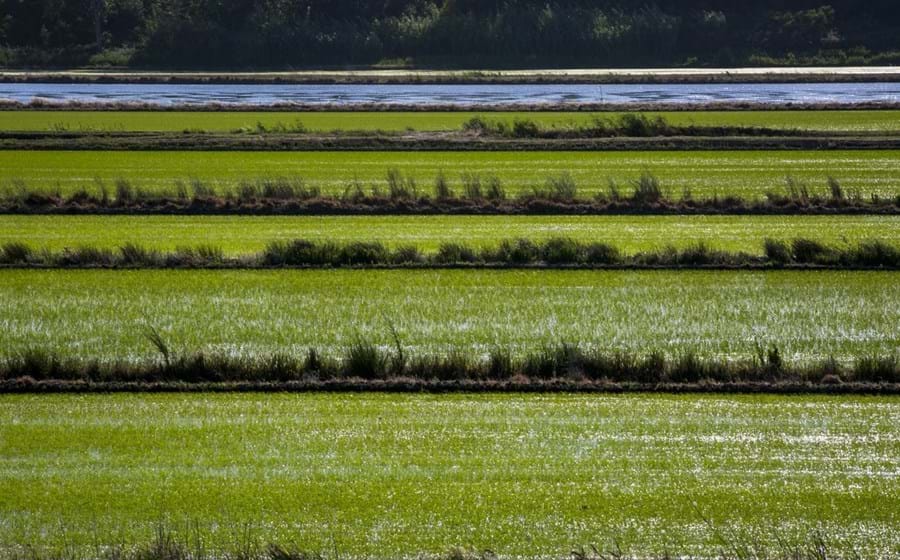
[{"x": 279, "y": 33}]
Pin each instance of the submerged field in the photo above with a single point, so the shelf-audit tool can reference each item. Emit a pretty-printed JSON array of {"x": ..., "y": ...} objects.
[
  {"x": 748, "y": 174},
  {"x": 103, "y": 314},
  {"x": 89, "y": 121},
  {"x": 238, "y": 235},
  {"x": 388, "y": 476}
]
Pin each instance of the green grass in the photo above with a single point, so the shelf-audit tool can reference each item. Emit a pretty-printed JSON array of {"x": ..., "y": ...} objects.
[
  {"x": 809, "y": 315},
  {"x": 748, "y": 174},
  {"x": 397, "y": 475},
  {"x": 856, "y": 121},
  {"x": 238, "y": 235}
]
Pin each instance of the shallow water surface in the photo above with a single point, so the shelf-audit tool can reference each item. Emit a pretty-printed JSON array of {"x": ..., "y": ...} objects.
[{"x": 453, "y": 94}]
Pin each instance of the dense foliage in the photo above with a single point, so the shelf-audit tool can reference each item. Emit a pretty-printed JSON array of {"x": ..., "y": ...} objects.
[{"x": 284, "y": 33}]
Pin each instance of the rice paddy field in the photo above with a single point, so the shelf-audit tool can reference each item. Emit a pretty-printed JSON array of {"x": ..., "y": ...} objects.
[
  {"x": 90, "y": 121},
  {"x": 241, "y": 235},
  {"x": 747, "y": 174},
  {"x": 103, "y": 314},
  {"x": 392, "y": 476},
  {"x": 376, "y": 476}
]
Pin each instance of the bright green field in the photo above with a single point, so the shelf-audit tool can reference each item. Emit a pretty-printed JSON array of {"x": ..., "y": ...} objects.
[
  {"x": 857, "y": 121},
  {"x": 248, "y": 234},
  {"x": 397, "y": 475},
  {"x": 748, "y": 174},
  {"x": 102, "y": 313}
]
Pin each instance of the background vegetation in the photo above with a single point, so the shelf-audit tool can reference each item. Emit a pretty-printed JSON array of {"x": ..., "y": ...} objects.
[{"x": 473, "y": 33}]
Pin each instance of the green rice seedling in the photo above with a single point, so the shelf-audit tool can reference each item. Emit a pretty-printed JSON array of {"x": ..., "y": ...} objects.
[
  {"x": 654, "y": 476},
  {"x": 256, "y": 312}
]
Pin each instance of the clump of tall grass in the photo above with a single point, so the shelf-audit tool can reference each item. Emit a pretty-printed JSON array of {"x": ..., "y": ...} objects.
[
  {"x": 442, "y": 189},
  {"x": 400, "y": 186},
  {"x": 15, "y": 252},
  {"x": 471, "y": 183},
  {"x": 455, "y": 253},
  {"x": 647, "y": 188},
  {"x": 296, "y": 127}
]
